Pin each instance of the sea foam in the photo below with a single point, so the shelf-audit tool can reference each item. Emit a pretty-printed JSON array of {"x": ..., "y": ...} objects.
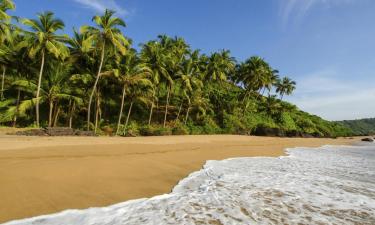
[{"x": 328, "y": 185}]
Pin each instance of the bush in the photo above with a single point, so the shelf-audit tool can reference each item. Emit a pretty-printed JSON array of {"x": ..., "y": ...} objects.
[
  {"x": 132, "y": 130},
  {"x": 210, "y": 127},
  {"x": 234, "y": 125},
  {"x": 180, "y": 129},
  {"x": 147, "y": 130},
  {"x": 195, "y": 130},
  {"x": 155, "y": 131},
  {"x": 161, "y": 131}
]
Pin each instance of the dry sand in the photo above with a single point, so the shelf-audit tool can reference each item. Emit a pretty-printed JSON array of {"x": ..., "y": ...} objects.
[{"x": 42, "y": 175}]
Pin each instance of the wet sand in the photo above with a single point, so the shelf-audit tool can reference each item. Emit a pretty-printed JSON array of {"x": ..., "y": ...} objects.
[{"x": 42, "y": 175}]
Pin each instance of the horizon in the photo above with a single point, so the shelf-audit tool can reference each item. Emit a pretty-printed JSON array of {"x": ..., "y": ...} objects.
[{"x": 320, "y": 44}]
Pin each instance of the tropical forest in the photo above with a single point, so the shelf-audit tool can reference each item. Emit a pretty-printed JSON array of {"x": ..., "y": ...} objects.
[{"x": 96, "y": 80}]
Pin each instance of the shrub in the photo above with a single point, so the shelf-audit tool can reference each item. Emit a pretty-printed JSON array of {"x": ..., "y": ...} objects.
[
  {"x": 180, "y": 129},
  {"x": 147, "y": 130},
  {"x": 210, "y": 127},
  {"x": 161, "y": 131},
  {"x": 132, "y": 130}
]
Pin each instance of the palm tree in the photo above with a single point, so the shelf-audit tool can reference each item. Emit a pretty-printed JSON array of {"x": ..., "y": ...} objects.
[
  {"x": 219, "y": 66},
  {"x": 5, "y": 5},
  {"x": 153, "y": 55},
  {"x": 132, "y": 75},
  {"x": 286, "y": 86},
  {"x": 106, "y": 35},
  {"x": 43, "y": 40},
  {"x": 254, "y": 74},
  {"x": 138, "y": 92},
  {"x": 189, "y": 78}
]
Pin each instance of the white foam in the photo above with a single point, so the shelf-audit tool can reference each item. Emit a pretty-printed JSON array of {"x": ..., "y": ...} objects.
[{"x": 329, "y": 185}]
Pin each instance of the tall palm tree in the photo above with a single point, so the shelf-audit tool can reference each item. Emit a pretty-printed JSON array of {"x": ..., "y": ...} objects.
[
  {"x": 5, "y": 5},
  {"x": 220, "y": 66},
  {"x": 189, "y": 78},
  {"x": 44, "y": 40},
  {"x": 133, "y": 75},
  {"x": 5, "y": 34},
  {"x": 107, "y": 36},
  {"x": 153, "y": 55},
  {"x": 254, "y": 74},
  {"x": 286, "y": 86}
]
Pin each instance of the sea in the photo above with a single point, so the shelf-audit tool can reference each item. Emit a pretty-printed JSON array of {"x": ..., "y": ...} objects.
[{"x": 326, "y": 185}]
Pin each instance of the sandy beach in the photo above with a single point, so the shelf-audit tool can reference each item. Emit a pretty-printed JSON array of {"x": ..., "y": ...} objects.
[{"x": 42, "y": 175}]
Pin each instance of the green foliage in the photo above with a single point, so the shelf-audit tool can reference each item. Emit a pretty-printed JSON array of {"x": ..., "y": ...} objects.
[{"x": 360, "y": 127}]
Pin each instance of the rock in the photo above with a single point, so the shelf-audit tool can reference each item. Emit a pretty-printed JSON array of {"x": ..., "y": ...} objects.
[
  {"x": 368, "y": 139},
  {"x": 84, "y": 133},
  {"x": 59, "y": 131},
  {"x": 267, "y": 131},
  {"x": 32, "y": 132}
]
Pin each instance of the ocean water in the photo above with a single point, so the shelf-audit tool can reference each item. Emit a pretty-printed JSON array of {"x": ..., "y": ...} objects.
[{"x": 327, "y": 185}]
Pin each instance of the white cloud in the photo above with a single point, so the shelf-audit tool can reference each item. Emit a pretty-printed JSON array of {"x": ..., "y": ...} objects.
[
  {"x": 297, "y": 9},
  {"x": 101, "y": 5},
  {"x": 326, "y": 94}
]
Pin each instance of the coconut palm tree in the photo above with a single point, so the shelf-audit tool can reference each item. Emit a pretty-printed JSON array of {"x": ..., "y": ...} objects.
[
  {"x": 43, "y": 41},
  {"x": 106, "y": 36},
  {"x": 5, "y": 5},
  {"x": 153, "y": 55},
  {"x": 286, "y": 86},
  {"x": 220, "y": 66},
  {"x": 189, "y": 78},
  {"x": 133, "y": 74}
]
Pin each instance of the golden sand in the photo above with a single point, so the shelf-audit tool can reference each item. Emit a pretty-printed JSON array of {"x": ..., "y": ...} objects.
[{"x": 42, "y": 175}]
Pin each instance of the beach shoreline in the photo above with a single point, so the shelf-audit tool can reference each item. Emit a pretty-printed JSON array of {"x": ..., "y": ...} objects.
[{"x": 43, "y": 175}]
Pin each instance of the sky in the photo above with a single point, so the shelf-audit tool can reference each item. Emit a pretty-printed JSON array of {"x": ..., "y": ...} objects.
[{"x": 327, "y": 46}]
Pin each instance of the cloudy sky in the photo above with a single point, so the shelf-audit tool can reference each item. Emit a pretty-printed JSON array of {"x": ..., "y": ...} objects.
[{"x": 327, "y": 46}]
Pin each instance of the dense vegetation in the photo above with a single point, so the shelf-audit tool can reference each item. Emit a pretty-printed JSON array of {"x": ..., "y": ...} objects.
[
  {"x": 360, "y": 127},
  {"x": 95, "y": 80}
]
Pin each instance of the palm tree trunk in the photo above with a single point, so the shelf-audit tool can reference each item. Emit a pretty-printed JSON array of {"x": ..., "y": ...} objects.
[
  {"x": 2, "y": 82},
  {"x": 187, "y": 114},
  {"x": 56, "y": 116},
  {"x": 97, "y": 112},
  {"x": 166, "y": 107},
  {"x": 50, "y": 113},
  {"x": 121, "y": 109},
  {"x": 150, "y": 117},
  {"x": 179, "y": 110},
  {"x": 127, "y": 118},
  {"x": 71, "y": 115},
  {"x": 17, "y": 108},
  {"x": 94, "y": 88},
  {"x": 38, "y": 90}
]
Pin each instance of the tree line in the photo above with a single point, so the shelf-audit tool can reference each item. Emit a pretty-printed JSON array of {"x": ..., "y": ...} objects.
[{"x": 96, "y": 80}]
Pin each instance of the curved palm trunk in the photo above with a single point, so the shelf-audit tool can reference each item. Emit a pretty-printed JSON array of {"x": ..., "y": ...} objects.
[
  {"x": 97, "y": 112},
  {"x": 94, "y": 88},
  {"x": 71, "y": 115},
  {"x": 38, "y": 90},
  {"x": 127, "y": 118},
  {"x": 56, "y": 118},
  {"x": 166, "y": 107},
  {"x": 17, "y": 108},
  {"x": 150, "y": 116},
  {"x": 187, "y": 114},
  {"x": 50, "y": 113},
  {"x": 121, "y": 109},
  {"x": 2, "y": 82},
  {"x": 179, "y": 111}
]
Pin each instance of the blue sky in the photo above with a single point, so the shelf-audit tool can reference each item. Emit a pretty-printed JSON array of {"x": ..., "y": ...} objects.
[{"x": 327, "y": 46}]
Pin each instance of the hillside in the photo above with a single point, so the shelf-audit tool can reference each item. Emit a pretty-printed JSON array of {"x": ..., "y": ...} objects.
[{"x": 361, "y": 126}]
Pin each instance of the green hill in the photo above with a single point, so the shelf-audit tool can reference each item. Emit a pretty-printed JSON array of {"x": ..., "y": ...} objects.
[{"x": 360, "y": 127}]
